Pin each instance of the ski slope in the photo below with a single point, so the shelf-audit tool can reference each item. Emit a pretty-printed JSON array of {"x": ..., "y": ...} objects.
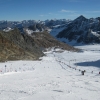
[{"x": 52, "y": 78}]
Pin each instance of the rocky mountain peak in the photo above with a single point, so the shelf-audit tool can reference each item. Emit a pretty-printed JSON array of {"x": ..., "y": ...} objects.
[
  {"x": 78, "y": 30},
  {"x": 80, "y": 18}
]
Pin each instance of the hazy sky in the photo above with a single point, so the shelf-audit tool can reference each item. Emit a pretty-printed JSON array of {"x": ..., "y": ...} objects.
[{"x": 48, "y": 9}]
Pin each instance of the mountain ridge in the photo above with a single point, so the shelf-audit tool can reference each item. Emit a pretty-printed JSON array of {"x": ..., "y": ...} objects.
[
  {"x": 82, "y": 30},
  {"x": 17, "y": 46}
]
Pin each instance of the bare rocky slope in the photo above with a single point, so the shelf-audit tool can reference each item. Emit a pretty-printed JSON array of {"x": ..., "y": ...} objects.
[
  {"x": 17, "y": 46},
  {"x": 45, "y": 40},
  {"x": 10, "y": 51}
]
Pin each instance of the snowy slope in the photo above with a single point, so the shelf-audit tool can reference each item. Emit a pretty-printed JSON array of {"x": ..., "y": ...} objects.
[
  {"x": 57, "y": 29},
  {"x": 51, "y": 78},
  {"x": 7, "y": 29}
]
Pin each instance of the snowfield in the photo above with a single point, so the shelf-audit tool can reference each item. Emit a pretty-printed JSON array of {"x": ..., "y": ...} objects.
[{"x": 56, "y": 77}]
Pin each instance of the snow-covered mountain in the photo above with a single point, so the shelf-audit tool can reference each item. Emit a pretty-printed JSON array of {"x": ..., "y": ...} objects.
[
  {"x": 26, "y": 23},
  {"x": 81, "y": 30},
  {"x": 56, "y": 22},
  {"x": 31, "y": 26},
  {"x": 18, "y": 24}
]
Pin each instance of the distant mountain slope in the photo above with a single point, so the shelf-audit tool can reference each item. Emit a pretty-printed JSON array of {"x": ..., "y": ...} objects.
[
  {"x": 26, "y": 23},
  {"x": 82, "y": 30},
  {"x": 45, "y": 40}
]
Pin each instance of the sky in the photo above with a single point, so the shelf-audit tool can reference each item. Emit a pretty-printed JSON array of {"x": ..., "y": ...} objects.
[{"x": 18, "y": 10}]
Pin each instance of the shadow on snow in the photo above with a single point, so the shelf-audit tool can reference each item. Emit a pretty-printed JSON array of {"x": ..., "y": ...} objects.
[{"x": 91, "y": 63}]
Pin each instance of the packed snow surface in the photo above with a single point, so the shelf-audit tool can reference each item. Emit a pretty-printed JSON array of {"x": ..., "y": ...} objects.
[
  {"x": 7, "y": 29},
  {"x": 56, "y": 77}
]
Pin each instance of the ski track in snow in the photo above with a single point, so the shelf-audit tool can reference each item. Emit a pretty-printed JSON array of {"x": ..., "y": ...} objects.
[{"x": 51, "y": 78}]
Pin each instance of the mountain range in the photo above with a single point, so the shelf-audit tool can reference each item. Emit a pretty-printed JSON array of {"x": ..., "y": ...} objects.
[
  {"x": 26, "y": 23},
  {"x": 26, "y": 40},
  {"x": 81, "y": 30}
]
